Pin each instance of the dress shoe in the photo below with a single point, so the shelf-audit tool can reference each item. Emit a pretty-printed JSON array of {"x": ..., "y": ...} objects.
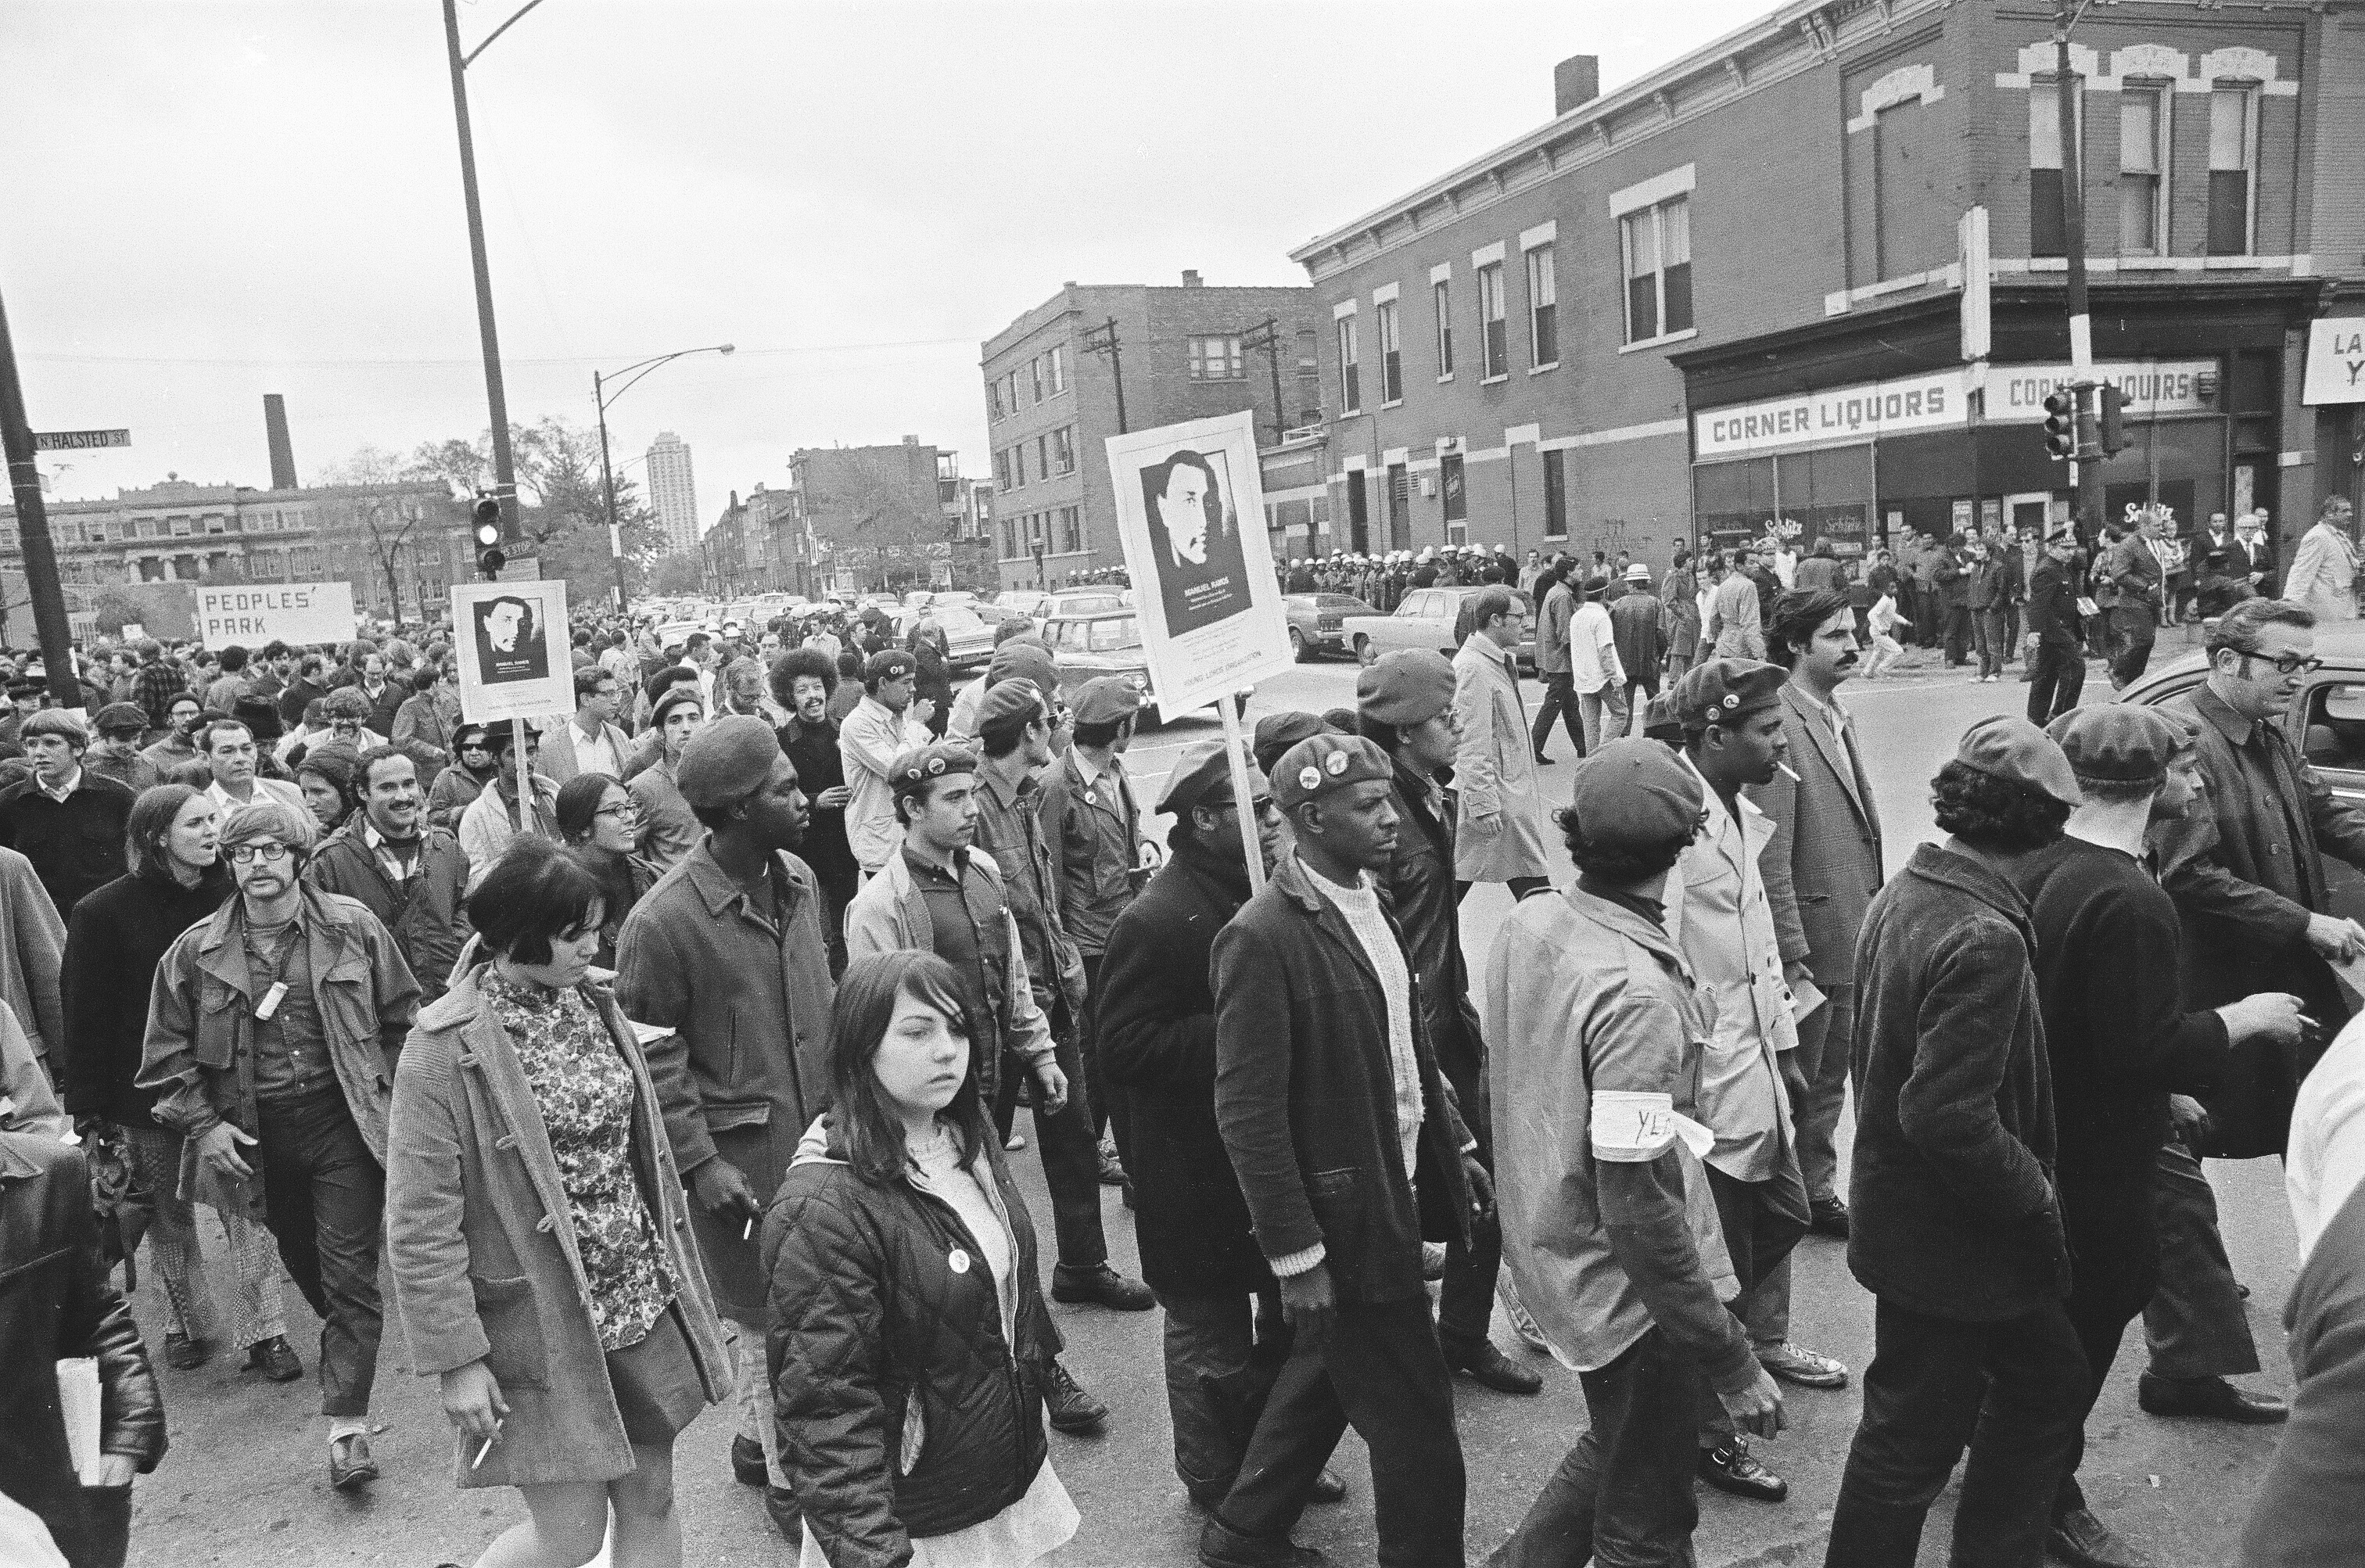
[
  {"x": 1220, "y": 1547},
  {"x": 1070, "y": 1408},
  {"x": 780, "y": 1504},
  {"x": 350, "y": 1464},
  {"x": 1543, "y": 761},
  {"x": 2078, "y": 1537},
  {"x": 1488, "y": 1367},
  {"x": 1112, "y": 1167},
  {"x": 1828, "y": 1217},
  {"x": 2209, "y": 1396},
  {"x": 274, "y": 1359},
  {"x": 1328, "y": 1487},
  {"x": 184, "y": 1350},
  {"x": 1014, "y": 1143},
  {"x": 1796, "y": 1363},
  {"x": 1103, "y": 1284},
  {"x": 1731, "y": 1467},
  {"x": 748, "y": 1460}
]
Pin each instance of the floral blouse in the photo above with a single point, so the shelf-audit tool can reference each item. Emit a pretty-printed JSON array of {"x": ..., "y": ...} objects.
[{"x": 585, "y": 1094}]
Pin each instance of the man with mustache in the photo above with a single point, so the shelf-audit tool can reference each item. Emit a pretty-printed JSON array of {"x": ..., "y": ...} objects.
[{"x": 1822, "y": 870}]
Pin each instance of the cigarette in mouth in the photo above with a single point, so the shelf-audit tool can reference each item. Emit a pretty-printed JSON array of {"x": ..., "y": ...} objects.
[{"x": 1788, "y": 774}]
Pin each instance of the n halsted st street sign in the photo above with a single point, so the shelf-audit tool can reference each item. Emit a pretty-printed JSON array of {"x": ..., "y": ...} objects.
[{"x": 79, "y": 441}]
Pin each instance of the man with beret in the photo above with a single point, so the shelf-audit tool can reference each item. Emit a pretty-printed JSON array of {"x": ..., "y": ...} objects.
[
  {"x": 1020, "y": 656},
  {"x": 2118, "y": 1040},
  {"x": 1610, "y": 1224},
  {"x": 1718, "y": 913},
  {"x": 1499, "y": 826},
  {"x": 1092, "y": 820},
  {"x": 884, "y": 724},
  {"x": 940, "y": 895},
  {"x": 1404, "y": 706},
  {"x": 1225, "y": 1339},
  {"x": 1015, "y": 728},
  {"x": 1821, "y": 867},
  {"x": 115, "y": 753},
  {"x": 1954, "y": 1222},
  {"x": 1276, "y": 732},
  {"x": 725, "y": 954},
  {"x": 1350, "y": 1150}
]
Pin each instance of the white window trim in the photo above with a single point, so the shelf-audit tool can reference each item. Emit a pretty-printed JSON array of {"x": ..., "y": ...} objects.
[
  {"x": 1540, "y": 369},
  {"x": 1544, "y": 233},
  {"x": 1662, "y": 340},
  {"x": 1488, "y": 255},
  {"x": 1907, "y": 82},
  {"x": 1653, "y": 191},
  {"x": 1384, "y": 295},
  {"x": 1441, "y": 273},
  {"x": 1341, "y": 311},
  {"x": 1493, "y": 380}
]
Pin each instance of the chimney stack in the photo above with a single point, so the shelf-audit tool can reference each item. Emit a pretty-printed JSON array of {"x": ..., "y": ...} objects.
[
  {"x": 1191, "y": 277},
  {"x": 1576, "y": 80},
  {"x": 283, "y": 451}
]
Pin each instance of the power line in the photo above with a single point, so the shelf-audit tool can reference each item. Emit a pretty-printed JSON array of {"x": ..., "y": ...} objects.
[{"x": 243, "y": 363}]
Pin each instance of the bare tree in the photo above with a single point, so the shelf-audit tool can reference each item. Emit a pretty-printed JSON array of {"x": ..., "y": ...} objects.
[{"x": 385, "y": 507}]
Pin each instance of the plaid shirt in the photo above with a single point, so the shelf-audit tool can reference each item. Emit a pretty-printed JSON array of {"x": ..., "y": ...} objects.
[{"x": 153, "y": 687}]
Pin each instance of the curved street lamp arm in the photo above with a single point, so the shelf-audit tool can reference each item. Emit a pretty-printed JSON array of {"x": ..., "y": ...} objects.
[
  {"x": 470, "y": 58},
  {"x": 642, "y": 368}
]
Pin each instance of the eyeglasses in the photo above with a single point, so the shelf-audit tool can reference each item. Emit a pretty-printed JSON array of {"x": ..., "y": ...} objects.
[
  {"x": 2289, "y": 664},
  {"x": 270, "y": 851},
  {"x": 625, "y": 809}
]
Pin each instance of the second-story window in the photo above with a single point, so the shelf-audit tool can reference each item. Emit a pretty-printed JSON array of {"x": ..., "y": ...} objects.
[
  {"x": 2143, "y": 160},
  {"x": 1350, "y": 373},
  {"x": 1543, "y": 309},
  {"x": 2232, "y": 156},
  {"x": 1657, "y": 246},
  {"x": 1035, "y": 375},
  {"x": 1442, "y": 299},
  {"x": 994, "y": 398},
  {"x": 1057, "y": 361},
  {"x": 1216, "y": 358},
  {"x": 1391, "y": 355},
  {"x": 1495, "y": 342},
  {"x": 1063, "y": 450}
]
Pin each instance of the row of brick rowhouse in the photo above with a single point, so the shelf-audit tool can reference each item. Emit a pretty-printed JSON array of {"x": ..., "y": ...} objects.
[{"x": 1810, "y": 278}]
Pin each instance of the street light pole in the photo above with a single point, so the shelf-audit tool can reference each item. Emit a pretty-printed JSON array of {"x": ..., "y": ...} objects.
[
  {"x": 600, "y": 395},
  {"x": 2089, "y": 458},
  {"x": 496, "y": 397},
  {"x": 49, "y": 625}
]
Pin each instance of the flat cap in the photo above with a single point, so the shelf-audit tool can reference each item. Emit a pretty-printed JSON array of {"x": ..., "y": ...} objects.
[
  {"x": 1276, "y": 732},
  {"x": 2115, "y": 742},
  {"x": 1406, "y": 686},
  {"x": 472, "y": 734},
  {"x": 912, "y": 770},
  {"x": 117, "y": 716},
  {"x": 1725, "y": 690},
  {"x": 888, "y": 664},
  {"x": 1110, "y": 700},
  {"x": 1007, "y": 700},
  {"x": 1325, "y": 763},
  {"x": 2011, "y": 749},
  {"x": 1202, "y": 776},
  {"x": 678, "y": 697},
  {"x": 1634, "y": 793},
  {"x": 729, "y": 759}
]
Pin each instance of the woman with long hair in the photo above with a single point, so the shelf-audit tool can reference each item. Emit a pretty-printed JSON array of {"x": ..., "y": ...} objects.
[
  {"x": 539, "y": 1240},
  {"x": 599, "y": 822},
  {"x": 116, "y": 938},
  {"x": 910, "y": 1342},
  {"x": 329, "y": 777}
]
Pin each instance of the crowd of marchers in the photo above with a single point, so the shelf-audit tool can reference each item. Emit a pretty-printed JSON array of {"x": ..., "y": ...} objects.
[{"x": 685, "y": 1071}]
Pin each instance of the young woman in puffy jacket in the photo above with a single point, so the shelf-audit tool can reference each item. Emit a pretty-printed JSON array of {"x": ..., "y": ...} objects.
[{"x": 910, "y": 1344}]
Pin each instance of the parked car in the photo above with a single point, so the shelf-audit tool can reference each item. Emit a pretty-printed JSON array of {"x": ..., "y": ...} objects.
[
  {"x": 1063, "y": 602},
  {"x": 1316, "y": 622},
  {"x": 967, "y": 633},
  {"x": 1086, "y": 647},
  {"x": 2326, "y": 722},
  {"x": 1425, "y": 620}
]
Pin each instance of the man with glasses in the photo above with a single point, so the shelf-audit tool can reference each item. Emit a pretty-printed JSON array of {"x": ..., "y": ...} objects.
[
  {"x": 491, "y": 819},
  {"x": 456, "y": 787},
  {"x": 409, "y": 874},
  {"x": 229, "y": 752},
  {"x": 591, "y": 742},
  {"x": 2245, "y": 866},
  {"x": 183, "y": 716},
  {"x": 281, "y": 1079}
]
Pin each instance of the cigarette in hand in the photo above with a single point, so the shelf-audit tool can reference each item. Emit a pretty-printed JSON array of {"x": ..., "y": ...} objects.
[
  {"x": 748, "y": 1229},
  {"x": 485, "y": 1448}
]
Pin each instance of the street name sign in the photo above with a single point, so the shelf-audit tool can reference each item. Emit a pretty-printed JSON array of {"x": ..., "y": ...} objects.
[{"x": 79, "y": 441}]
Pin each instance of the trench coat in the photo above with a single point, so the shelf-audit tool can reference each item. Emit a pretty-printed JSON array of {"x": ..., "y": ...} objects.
[
  {"x": 1499, "y": 829},
  {"x": 482, "y": 1246}
]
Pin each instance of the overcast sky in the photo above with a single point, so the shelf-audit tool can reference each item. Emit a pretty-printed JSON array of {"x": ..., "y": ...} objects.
[{"x": 210, "y": 201}]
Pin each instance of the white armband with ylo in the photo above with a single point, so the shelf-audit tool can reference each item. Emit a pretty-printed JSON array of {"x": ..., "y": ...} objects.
[{"x": 1633, "y": 1128}]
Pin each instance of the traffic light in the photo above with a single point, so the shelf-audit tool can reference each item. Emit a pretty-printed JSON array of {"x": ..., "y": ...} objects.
[
  {"x": 486, "y": 526},
  {"x": 2061, "y": 424},
  {"x": 2113, "y": 436}
]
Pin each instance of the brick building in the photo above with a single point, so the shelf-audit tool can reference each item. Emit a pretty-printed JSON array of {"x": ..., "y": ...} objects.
[
  {"x": 1734, "y": 291},
  {"x": 1184, "y": 353},
  {"x": 759, "y": 545},
  {"x": 879, "y": 517}
]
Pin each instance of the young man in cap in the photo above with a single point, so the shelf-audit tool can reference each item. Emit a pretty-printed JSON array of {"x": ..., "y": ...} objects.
[
  {"x": 66, "y": 820},
  {"x": 1610, "y": 1227},
  {"x": 885, "y": 723},
  {"x": 1594, "y": 668},
  {"x": 1638, "y": 627},
  {"x": 1323, "y": 1064},
  {"x": 670, "y": 828},
  {"x": 1821, "y": 869},
  {"x": 1404, "y": 706},
  {"x": 271, "y": 1029},
  {"x": 2118, "y": 1042},
  {"x": 1718, "y": 913},
  {"x": 940, "y": 895},
  {"x": 1954, "y": 1226},
  {"x": 725, "y": 953},
  {"x": 2245, "y": 867},
  {"x": 1092, "y": 820},
  {"x": 116, "y": 755},
  {"x": 491, "y": 819},
  {"x": 409, "y": 874},
  {"x": 1276, "y": 732},
  {"x": 1015, "y": 729},
  {"x": 802, "y": 681},
  {"x": 2055, "y": 633},
  {"x": 1224, "y": 1339},
  {"x": 1499, "y": 834}
]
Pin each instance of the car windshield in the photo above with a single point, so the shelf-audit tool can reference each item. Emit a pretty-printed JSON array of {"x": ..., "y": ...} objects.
[{"x": 1110, "y": 635}]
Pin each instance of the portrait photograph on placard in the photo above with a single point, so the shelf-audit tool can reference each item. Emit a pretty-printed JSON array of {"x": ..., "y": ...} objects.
[
  {"x": 508, "y": 642},
  {"x": 511, "y": 639}
]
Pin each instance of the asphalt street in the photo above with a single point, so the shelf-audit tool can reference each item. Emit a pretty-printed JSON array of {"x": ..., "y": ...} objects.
[{"x": 245, "y": 1481}]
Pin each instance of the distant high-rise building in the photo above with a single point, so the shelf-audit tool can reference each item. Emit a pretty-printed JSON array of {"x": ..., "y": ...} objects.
[{"x": 673, "y": 493}]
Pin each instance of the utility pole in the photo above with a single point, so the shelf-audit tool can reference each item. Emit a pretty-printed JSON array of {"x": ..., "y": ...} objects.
[
  {"x": 33, "y": 530},
  {"x": 496, "y": 397},
  {"x": 2088, "y": 465},
  {"x": 1101, "y": 339},
  {"x": 1266, "y": 336}
]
